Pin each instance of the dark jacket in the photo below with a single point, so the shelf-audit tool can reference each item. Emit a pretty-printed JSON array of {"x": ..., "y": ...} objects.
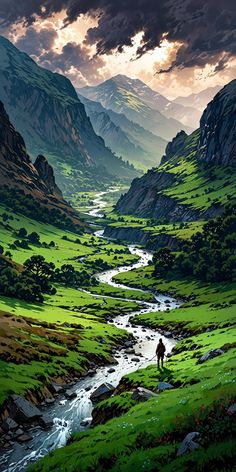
[{"x": 160, "y": 350}]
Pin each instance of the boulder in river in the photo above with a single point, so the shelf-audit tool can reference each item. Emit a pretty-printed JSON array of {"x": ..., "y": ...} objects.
[
  {"x": 23, "y": 411},
  {"x": 130, "y": 350},
  {"x": 135, "y": 359},
  {"x": 168, "y": 334},
  {"x": 189, "y": 444},
  {"x": 111, "y": 370},
  {"x": 104, "y": 391},
  {"x": 91, "y": 372},
  {"x": 46, "y": 422},
  {"x": 24, "y": 438},
  {"x": 57, "y": 388},
  {"x": 141, "y": 394},
  {"x": 210, "y": 355},
  {"x": 70, "y": 394},
  {"x": 164, "y": 386}
]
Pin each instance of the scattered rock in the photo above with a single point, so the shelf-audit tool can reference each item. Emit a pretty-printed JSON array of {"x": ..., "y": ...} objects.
[
  {"x": 210, "y": 355},
  {"x": 232, "y": 409},
  {"x": 88, "y": 388},
  {"x": 46, "y": 422},
  {"x": 49, "y": 401},
  {"x": 56, "y": 388},
  {"x": 142, "y": 394},
  {"x": 111, "y": 370},
  {"x": 18, "y": 433},
  {"x": 9, "y": 425},
  {"x": 135, "y": 359},
  {"x": 102, "y": 392},
  {"x": 86, "y": 422},
  {"x": 130, "y": 351},
  {"x": 22, "y": 410},
  {"x": 168, "y": 334},
  {"x": 91, "y": 372},
  {"x": 70, "y": 394},
  {"x": 164, "y": 386},
  {"x": 24, "y": 438},
  {"x": 128, "y": 344},
  {"x": 189, "y": 444}
]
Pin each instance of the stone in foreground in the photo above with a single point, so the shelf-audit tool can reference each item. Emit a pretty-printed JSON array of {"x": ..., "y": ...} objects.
[
  {"x": 102, "y": 392},
  {"x": 23, "y": 411},
  {"x": 189, "y": 444},
  {"x": 210, "y": 355},
  {"x": 142, "y": 394},
  {"x": 164, "y": 386}
]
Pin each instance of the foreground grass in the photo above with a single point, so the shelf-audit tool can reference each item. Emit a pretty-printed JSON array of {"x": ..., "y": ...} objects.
[{"x": 146, "y": 436}]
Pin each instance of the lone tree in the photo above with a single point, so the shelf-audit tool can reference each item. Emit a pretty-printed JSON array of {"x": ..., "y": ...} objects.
[
  {"x": 41, "y": 270},
  {"x": 22, "y": 233}
]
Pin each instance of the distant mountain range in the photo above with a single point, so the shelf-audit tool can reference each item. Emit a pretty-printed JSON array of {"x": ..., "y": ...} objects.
[
  {"x": 135, "y": 121},
  {"x": 45, "y": 108},
  {"x": 125, "y": 137},
  {"x": 198, "y": 100},
  {"x": 197, "y": 173},
  {"x": 128, "y": 96}
]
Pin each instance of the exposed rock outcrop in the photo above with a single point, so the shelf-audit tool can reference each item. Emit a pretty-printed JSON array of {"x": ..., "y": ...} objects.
[
  {"x": 217, "y": 143},
  {"x": 175, "y": 146},
  {"x": 46, "y": 174},
  {"x": 17, "y": 171}
]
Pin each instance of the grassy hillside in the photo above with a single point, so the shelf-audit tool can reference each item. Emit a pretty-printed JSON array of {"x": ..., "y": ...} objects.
[
  {"x": 147, "y": 436},
  {"x": 36, "y": 340}
]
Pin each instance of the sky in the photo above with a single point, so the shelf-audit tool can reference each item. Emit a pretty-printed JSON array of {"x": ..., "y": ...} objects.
[{"x": 176, "y": 46}]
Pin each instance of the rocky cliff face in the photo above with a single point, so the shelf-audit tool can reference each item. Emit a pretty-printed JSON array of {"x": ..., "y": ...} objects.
[
  {"x": 17, "y": 171},
  {"x": 46, "y": 174},
  {"x": 163, "y": 192},
  {"x": 141, "y": 199},
  {"x": 217, "y": 143},
  {"x": 44, "y": 107},
  {"x": 175, "y": 146}
]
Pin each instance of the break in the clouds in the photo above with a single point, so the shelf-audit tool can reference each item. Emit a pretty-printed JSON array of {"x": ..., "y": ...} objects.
[{"x": 204, "y": 28}]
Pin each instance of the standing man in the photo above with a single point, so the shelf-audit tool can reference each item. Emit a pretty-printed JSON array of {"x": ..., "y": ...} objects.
[{"x": 160, "y": 352}]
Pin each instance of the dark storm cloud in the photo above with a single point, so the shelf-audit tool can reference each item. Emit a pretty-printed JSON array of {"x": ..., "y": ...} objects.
[
  {"x": 34, "y": 42},
  {"x": 206, "y": 28},
  {"x": 76, "y": 56}
]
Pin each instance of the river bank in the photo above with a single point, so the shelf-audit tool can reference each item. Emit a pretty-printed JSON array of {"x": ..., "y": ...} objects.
[{"x": 75, "y": 415}]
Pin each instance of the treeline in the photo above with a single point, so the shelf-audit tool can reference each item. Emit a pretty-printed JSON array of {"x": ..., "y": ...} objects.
[
  {"x": 209, "y": 256},
  {"x": 20, "y": 202},
  {"x": 37, "y": 277}
]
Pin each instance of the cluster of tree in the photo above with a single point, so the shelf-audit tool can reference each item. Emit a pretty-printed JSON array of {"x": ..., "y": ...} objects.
[
  {"x": 37, "y": 278},
  {"x": 14, "y": 283},
  {"x": 209, "y": 256},
  {"x": 20, "y": 202},
  {"x": 71, "y": 277}
]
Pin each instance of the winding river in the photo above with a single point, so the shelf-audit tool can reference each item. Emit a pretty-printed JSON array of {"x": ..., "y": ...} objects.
[{"x": 69, "y": 414}]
